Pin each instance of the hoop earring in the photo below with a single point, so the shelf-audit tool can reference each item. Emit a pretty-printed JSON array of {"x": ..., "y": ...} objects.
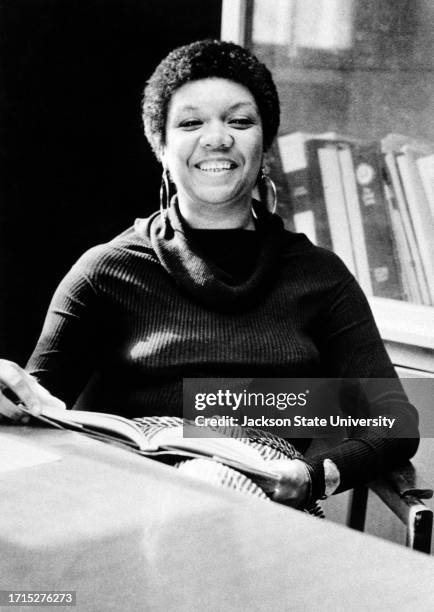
[
  {"x": 269, "y": 184},
  {"x": 164, "y": 195}
]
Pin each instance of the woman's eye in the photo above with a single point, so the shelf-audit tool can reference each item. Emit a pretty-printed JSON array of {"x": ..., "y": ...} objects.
[
  {"x": 241, "y": 122},
  {"x": 190, "y": 124}
]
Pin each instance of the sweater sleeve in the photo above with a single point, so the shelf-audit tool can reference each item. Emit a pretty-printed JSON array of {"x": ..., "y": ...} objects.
[
  {"x": 72, "y": 338},
  {"x": 351, "y": 348}
]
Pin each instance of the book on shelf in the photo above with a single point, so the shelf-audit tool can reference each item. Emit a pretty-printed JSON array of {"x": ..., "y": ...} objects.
[
  {"x": 335, "y": 204},
  {"x": 425, "y": 165},
  {"x": 300, "y": 165},
  {"x": 402, "y": 154},
  {"x": 419, "y": 212},
  {"x": 161, "y": 441},
  {"x": 385, "y": 272},
  {"x": 357, "y": 214},
  {"x": 410, "y": 258},
  {"x": 393, "y": 191},
  {"x": 354, "y": 215}
]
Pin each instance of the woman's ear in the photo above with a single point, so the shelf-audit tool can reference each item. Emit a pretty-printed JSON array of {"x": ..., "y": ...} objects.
[
  {"x": 166, "y": 172},
  {"x": 264, "y": 168},
  {"x": 265, "y": 165},
  {"x": 162, "y": 156},
  {"x": 163, "y": 160}
]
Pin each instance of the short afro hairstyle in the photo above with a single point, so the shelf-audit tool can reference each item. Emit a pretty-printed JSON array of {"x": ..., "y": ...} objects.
[{"x": 201, "y": 60}]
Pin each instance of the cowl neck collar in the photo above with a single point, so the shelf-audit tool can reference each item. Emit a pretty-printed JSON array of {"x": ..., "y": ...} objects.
[{"x": 173, "y": 243}]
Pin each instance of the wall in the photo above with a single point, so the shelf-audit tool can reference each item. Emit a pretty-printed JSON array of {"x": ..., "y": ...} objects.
[{"x": 75, "y": 168}]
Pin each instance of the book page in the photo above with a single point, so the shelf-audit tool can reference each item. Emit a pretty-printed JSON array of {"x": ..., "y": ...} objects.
[
  {"x": 112, "y": 423},
  {"x": 229, "y": 450}
]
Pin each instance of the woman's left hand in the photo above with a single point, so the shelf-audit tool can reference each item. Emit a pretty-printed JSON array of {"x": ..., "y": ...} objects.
[{"x": 294, "y": 485}]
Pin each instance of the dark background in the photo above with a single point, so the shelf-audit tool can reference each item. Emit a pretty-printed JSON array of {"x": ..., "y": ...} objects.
[{"x": 75, "y": 168}]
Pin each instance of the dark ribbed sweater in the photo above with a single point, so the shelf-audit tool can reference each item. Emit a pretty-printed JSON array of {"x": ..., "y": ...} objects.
[{"x": 131, "y": 320}]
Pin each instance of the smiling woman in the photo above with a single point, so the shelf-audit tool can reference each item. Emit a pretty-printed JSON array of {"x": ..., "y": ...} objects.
[{"x": 212, "y": 286}]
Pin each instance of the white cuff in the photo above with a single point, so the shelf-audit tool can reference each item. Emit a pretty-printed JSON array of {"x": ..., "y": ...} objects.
[{"x": 332, "y": 477}]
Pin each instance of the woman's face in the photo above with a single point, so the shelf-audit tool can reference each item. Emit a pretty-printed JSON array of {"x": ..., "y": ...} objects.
[{"x": 214, "y": 147}]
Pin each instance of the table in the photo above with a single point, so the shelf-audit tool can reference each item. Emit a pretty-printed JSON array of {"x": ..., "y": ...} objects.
[{"x": 128, "y": 533}]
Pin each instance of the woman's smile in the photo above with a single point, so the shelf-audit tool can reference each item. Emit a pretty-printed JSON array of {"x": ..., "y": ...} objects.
[
  {"x": 216, "y": 165},
  {"x": 216, "y": 170}
]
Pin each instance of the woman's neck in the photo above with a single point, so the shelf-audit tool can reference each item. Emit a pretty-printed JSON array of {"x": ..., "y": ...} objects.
[{"x": 219, "y": 216}]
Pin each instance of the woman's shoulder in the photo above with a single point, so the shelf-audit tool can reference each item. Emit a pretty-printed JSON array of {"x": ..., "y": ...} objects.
[
  {"x": 311, "y": 268},
  {"x": 298, "y": 248},
  {"x": 119, "y": 252}
]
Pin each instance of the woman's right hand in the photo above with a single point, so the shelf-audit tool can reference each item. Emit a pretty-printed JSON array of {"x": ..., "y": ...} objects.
[{"x": 16, "y": 383}]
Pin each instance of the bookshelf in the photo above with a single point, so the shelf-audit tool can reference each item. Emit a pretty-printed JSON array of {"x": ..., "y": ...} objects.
[{"x": 360, "y": 70}]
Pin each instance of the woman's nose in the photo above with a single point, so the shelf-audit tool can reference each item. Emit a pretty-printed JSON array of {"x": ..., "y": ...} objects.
[{"x": 216, "y": 137}]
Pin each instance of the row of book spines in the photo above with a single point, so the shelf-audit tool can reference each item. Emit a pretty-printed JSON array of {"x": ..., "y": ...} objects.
[
  {"x": 391, "y": 231},
  {"x": 409, "y": 169},
  {"x": 411, "y": 236},
  {"x": 337, "y": 200}
]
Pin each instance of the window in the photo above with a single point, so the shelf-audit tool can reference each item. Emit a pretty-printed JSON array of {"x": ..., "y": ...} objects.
[{"x": 355, "y": 79}]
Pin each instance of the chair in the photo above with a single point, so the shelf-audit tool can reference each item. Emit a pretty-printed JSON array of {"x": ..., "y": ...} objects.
[{"x": 402, "y": 490}]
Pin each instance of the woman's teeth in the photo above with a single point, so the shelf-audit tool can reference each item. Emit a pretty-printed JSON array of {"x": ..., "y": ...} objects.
[{"x": 215, "y": 166}]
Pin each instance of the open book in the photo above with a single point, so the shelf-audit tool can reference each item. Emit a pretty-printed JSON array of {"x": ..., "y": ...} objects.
[{"x": 163, "y": 441}]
